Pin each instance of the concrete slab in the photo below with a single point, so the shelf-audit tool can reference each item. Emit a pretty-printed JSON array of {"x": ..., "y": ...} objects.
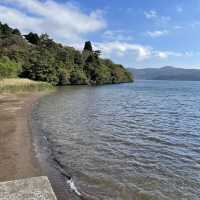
[{"x": 37, "y": 188}]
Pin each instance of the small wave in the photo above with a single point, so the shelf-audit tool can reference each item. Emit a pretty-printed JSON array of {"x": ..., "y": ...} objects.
[
  {"x": 45, "y": 137},
  {"x": 73, "y": 187},
  {"x": 69, "y": 179}
]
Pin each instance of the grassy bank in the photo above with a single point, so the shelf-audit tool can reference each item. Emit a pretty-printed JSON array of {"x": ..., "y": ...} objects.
[{"x": 23, "y": 85}]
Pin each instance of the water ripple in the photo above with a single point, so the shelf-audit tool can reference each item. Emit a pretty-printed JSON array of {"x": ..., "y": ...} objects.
[{"x": 133, "y": 141}]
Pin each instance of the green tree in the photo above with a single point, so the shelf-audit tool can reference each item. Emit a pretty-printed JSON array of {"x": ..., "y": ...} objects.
[
  {"x": 88, "y": 46},
  {"x": 78, "y": 77},
  {"x": 9, "y": 68},
  {"x": 33, "y": 38},
  {"x": 97, "y": 53},
  {"x": 16, "y": 31},
  {"x": 5, "y": 30},
  {"x": 52, "y": 62},
  {"x": 78, "y": 58}
]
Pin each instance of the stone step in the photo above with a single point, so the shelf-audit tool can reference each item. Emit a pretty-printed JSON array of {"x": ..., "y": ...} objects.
[{"x": 36, "y": 188}]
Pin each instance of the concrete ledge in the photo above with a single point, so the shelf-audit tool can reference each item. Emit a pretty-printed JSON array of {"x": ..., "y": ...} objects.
[{"x": 38, "y": 188}]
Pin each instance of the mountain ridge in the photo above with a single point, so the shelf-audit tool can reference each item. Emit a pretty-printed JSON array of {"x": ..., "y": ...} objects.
[{"x": 166, "y": 73}]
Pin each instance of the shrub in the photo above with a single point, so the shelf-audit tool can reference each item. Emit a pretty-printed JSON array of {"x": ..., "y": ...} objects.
[
  {"x": 23, "y": 85},
  {"x": 78, "y": 77},
  {"x": 9, "y": 68}
]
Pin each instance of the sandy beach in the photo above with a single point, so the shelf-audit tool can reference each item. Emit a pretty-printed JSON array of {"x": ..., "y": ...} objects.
[{"x": 17, "y": 158}]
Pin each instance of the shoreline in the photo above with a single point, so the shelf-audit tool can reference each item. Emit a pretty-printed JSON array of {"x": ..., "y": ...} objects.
[
  {"x": 25, "y": 150},
  {"x": 16, "y": 150},
  {"x": 47, "y": 162}
]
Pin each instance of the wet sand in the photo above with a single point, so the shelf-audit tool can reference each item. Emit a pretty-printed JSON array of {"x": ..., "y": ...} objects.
[{"x": 17, "y": 158}]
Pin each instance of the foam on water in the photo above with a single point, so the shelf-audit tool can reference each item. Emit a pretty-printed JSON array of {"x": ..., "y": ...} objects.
[{"x": 73, "y": 187}]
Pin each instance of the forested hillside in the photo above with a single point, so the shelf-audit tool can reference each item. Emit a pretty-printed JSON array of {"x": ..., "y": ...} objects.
[
  {"x": 166, "y": 73},
  {"x": 39, "y": 58}
]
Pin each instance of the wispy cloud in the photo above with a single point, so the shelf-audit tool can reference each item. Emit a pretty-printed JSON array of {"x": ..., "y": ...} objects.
[
  {"x": 119, "y": 35},
  {"x": 177, "y": 27},
  {"x": 179, "y": 9},
  {"x": 166, "y": 54},
  {"x": 151, "y": 14},
  {"x": 61, "y": 20},
  {"x": 157, "y": 33},
  {"x": 154, "y": 15},
  {"x": 121, "y": 48},
  {"x": 165, "y": 19},
  {"x": 194, "y": 24}
]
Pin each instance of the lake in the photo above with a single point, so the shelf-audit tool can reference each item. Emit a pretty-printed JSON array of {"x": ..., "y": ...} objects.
[{"x": 137, "y": 141}]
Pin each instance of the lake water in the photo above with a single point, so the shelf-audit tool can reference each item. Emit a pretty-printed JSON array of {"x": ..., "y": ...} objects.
[{"x": 138, "y": 141}]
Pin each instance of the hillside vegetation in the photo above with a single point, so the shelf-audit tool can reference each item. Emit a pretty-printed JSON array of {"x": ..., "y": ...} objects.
[{"x": 41, "y": 59}]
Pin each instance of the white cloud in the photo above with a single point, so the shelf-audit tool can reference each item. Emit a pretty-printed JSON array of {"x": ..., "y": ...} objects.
[
  {"x": 136, "y": 52},
  {"x": 139, "y": 52},
  {"x": 150, "y": 14},
  {"x": 166, "y": 54},
  {"x": 158, "y": 33},
  {"x": 162, "y": 55},
  {"x": 17, "y": 19},
  {"x": 121, "y": 48},
  {"x": 60, "y": 20},
  {"x": 118, "y": 35},
  {"x": 154, "y": 15}
]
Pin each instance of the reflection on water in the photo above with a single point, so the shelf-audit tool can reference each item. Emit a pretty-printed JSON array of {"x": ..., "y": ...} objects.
[{"x": 132, "y": 141}]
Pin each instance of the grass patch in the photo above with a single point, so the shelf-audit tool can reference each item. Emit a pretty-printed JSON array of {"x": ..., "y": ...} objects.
[{"x": 23, "y": 85}]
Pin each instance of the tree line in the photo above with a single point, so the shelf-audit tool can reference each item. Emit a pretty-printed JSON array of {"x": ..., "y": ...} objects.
[{"x": 40, "y": 58}]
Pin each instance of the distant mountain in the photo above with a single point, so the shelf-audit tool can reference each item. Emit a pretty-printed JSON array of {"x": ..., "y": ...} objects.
[{"x": 166, "y": 73}]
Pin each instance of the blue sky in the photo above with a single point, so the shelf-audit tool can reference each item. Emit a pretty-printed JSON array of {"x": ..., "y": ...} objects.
[{"x": 135, "y": 33}]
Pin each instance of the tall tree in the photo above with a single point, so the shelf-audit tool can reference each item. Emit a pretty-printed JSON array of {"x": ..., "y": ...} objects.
[
  {"x": 88, "y": 46},
  {"x": 33, "y": 38}
]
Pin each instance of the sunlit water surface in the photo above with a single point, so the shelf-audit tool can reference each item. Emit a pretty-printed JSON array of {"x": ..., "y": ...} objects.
[{"x": 137, "y": 141}]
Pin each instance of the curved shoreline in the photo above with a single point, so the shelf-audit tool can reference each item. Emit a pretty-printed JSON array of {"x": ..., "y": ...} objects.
[
  {"x": 24, "y": 150},
  {"x": 48, "y": 164},
  {"x": 16, "y": 150},
  {"x": 21, "y": 154}
]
